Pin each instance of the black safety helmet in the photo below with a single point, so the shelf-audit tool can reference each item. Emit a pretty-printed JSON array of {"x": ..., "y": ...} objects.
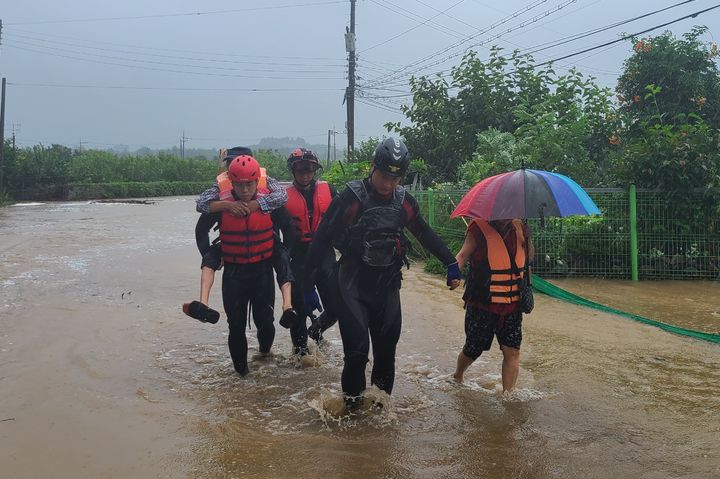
[
  {"x": 235, "y": 151},
  {"x": 391, "y": 157},
  {"x": 301, "y": 155}
]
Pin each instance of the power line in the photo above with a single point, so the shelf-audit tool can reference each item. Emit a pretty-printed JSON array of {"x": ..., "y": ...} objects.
[
  {"x": 570, "y": 38},
  {"x": 143, "y": 67},
  {"x": 369, "y": 102},
  {"x": 518, "y": 26},
  {"x": 151, "y": 88},
  {"x": 186, "y": 14},
  {"x": 184, "y": 51},
  {"x": 417, "y": 18},
  {"x": 626, "y": 37},
  {"x": 183, "y": 57},
  {"x": 578, "y": 36},
  {"x": 400, "y": 73},
  {"x": 413, "y": 28},
  {"x": 444, "y": 12},
  {"x": 14, "y": 42}
]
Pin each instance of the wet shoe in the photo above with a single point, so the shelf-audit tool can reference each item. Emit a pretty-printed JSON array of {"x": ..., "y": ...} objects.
[
  {"x": 288, "y": 318},
  {"x": 353, "y": 403},
  {"x": 202, "y": 313},
  {"x": 301, "y": 350}
]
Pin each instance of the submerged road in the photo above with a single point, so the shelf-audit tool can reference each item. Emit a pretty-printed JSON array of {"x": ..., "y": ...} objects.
[{"x": 101, "y": 375}]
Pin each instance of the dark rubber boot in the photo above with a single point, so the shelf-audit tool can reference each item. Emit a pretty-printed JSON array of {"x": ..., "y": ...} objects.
[{"x": 242, "y": 369}]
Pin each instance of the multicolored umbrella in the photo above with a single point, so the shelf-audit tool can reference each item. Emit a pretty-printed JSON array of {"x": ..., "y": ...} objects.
[{"x": 525, "y": 193}]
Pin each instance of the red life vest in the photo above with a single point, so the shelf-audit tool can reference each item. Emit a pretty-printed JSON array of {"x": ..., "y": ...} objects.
[
  {"x": 246, "y": 239},
  {"x": 297, "y": 207},
  {"x": 503, "y": 286}
]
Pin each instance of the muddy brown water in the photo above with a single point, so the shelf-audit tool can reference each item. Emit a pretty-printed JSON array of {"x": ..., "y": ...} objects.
[
  {"x": 97, "y": 383},
  {"x": 688, "y": 304}
]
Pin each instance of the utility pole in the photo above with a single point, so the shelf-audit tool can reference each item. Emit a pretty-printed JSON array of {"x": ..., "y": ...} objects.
[
  {"x": 327, "y": 163},
  {"x": 2, "y": 134},
  {"x": 183, "y": 140},
  {"x": 15, "y": 129},
  {"x": 350, "y": 92},
  {"x": 334, "y": 147}
]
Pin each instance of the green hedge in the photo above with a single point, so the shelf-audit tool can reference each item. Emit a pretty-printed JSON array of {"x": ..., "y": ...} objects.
[
  {"x": 133, "y": 189},
  {"x": 126, "y": 189}
]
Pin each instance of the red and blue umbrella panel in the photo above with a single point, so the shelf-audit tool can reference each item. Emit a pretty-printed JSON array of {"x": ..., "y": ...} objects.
[{"x": 525, "y": 193}]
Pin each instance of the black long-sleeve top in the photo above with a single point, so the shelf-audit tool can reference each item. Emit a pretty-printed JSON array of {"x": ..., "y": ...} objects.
[{"x": 345, "y": 210}]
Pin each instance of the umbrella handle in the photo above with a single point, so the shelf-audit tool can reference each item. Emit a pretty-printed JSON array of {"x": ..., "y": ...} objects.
[{"x": 455, "y": 206}]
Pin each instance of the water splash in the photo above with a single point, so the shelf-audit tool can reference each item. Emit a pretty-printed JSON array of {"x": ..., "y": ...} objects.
[{"x": 375, "y": 410}]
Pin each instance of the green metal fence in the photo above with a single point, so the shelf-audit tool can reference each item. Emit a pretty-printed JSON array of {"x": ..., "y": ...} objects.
[{"x": 650, "y": 238}]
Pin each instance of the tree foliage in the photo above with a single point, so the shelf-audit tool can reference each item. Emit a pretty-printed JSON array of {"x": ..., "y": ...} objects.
[
  {"x": 559, "y": 122},
  {"x": 666, "y": 77},
  {"x": 669, "y": 96}
]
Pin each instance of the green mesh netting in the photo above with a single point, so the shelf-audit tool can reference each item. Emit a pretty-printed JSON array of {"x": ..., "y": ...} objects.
[{"x": 542, "y": 286}]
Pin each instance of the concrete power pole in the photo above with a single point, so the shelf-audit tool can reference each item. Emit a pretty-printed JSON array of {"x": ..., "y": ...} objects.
[
  {"x": 327, "y": 163},
  {"x": 350, "y": 93},
  {"x": 183, "y": 140},
  {"x": 15, "y": 129},
  {"x": 2, "y": 134}
]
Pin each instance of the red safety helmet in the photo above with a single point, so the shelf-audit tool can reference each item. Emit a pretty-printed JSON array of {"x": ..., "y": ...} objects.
[{"x": 244, "y": 168}]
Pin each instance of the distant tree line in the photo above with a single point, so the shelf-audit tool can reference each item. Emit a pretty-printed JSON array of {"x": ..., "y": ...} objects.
[{"x": 59, "y": 172}]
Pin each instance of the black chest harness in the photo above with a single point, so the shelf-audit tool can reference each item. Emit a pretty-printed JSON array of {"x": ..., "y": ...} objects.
[{"x": 376, "y": 237}]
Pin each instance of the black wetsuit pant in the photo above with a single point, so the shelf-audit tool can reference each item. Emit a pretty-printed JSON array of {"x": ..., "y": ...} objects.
[
  {"x": 370, "y": 311},
  {"x": 243, "y": 285},
  {"x": 326, "y": 282}
]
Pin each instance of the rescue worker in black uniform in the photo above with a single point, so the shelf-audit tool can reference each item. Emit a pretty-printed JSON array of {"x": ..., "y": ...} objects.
[
  {"x": 308, "y": 200},
  {"x": 365, "y": 223},
  {"x": 210, "y": 251},
  {"x": 247, "y": 245}
]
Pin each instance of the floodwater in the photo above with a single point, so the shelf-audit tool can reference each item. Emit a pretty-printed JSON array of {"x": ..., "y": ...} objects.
[
  {"x": 688, "y": 304},
  {"x": 101, "y": 375}
]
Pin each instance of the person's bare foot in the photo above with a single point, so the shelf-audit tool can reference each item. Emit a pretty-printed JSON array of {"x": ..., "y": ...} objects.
[{"x": 458, "y": 377}]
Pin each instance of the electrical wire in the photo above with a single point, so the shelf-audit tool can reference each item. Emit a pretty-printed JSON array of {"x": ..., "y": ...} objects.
[
  {"x": 184, "y": 50},
  {"x": 403, "y": 12},
  {"x": 411, "y": 29},
  {"x": 402, "y": 73},
  {"x": 143, "y": 67},
  {"x": 626, "y": 37},
  {"x": 13, "y": 42},
  {"x": 152, "y": 88},
  {"x": 159, "y": 55},
  {"x": 186, "y": 14},
  {"x": 574, "y": 37}
]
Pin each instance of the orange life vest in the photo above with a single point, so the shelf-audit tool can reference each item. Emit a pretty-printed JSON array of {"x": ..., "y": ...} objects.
[
  {"x": 505, "y": 278},
  {"x": 246, "y": 239},
  {"x": 225, "y": 185},
  {"x": 297, "y": 207}
]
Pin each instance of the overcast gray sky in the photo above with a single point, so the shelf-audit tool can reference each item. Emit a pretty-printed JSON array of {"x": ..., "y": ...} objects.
[{"x": 138, "y": 73}]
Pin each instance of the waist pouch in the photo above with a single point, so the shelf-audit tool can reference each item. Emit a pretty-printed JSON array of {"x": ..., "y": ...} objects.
[{"x": 381, "y": 251}]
